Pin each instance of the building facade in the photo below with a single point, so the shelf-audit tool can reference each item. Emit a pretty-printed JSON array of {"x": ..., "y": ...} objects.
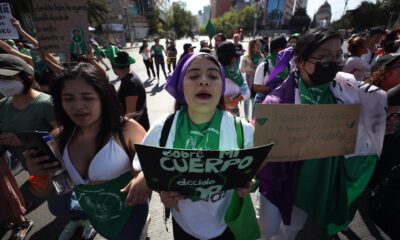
[
  {"x": 278, "y": 13},
  {"x": 323, "y": 16},
  {"x": 219, "y": 7},
  {"x": 127, "y": 19},
  {"x": 203, "y": 15}
]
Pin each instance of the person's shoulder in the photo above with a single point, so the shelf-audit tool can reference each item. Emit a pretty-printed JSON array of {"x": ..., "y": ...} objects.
[
  {"x": 3, "y": 101},
  {"x": 133, "y": 78},
  {"x": 229, "y": 120},
  {"x": 394, "y": 96},
  {"x": 44, "y": 98},
  {"x": 131, "y": 125}
]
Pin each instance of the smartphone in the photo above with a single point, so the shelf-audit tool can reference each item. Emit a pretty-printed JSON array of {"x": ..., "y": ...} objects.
[{"x": 34, "y": 140}]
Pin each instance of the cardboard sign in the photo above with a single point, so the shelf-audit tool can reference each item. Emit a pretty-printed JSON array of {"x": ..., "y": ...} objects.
[
  {"x": 393, "y": 120},
  {"x": 200, "y": 173},
  {"x": 62, "y": 25},
  {"x": 302, "y": 132},
  {"x": 7, "y": 30}
]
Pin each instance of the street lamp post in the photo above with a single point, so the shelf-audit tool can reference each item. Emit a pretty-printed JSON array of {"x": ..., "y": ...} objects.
[
  {"x": 255, "y": 19},
  {"x": 128, "y": 24}
]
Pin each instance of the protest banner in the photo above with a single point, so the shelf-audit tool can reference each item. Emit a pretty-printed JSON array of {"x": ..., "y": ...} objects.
[
  {"x": 302, "y": 132},
  {"x": 7, "y": 30},
  {"x": 199, "y": 173},
  {"x": 62, "y": 25}
]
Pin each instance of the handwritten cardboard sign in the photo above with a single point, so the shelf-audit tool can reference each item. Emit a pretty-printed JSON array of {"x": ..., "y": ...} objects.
[
  {"x": 302, "y": 132},
  {"x": 62, "y": 25},
  {"x": 200, "y": 173},
  {"x": 7, "y": 30}
]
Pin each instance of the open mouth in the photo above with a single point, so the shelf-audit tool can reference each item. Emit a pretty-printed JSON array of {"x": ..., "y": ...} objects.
[
  {"x": 81, "y": 115},
  {"x": 203, "y": 96}
]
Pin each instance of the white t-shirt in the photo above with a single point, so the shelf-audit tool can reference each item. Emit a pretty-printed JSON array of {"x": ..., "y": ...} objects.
[
  {"x": 202, "y": 219},
  {"x": 232, "y": 89},
  {"x": 367, "y": 57},
  {"x": 358, "y": 67},
  {"x": 259, "y": 77}
]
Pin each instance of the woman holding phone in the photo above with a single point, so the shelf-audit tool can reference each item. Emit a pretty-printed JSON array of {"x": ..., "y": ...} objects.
[
  {"x": 97, "y": 145},
  {"x": 22, "y": 108}
]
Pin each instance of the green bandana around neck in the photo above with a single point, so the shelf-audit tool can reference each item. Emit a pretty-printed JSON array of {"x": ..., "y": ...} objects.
[
  {"x": 320, "y": 94},
  {"x": 271, "y": 56},
  {"x": 235, "y": 75},
  {"x": 203, "y": 136},
  {"x": 255, "y": 58}
]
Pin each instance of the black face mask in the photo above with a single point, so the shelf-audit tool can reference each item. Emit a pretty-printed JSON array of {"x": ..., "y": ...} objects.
[{"x": 324, "y": 74}]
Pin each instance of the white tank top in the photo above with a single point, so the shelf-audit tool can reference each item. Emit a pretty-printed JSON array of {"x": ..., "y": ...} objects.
[{"x": 108, "y": 163}]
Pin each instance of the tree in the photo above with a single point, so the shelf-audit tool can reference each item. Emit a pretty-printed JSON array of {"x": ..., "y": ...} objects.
[
  {"x": 366, "y": 15},
  {"x": 97, "y": 11},
  {"x": 300, "y": 21},
  {"x": 181, "y": 20},
  {"x": 234, "y": 19}
]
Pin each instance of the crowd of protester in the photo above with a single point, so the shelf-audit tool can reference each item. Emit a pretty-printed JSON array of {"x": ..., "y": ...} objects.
[{"x": 96, "y": 127}]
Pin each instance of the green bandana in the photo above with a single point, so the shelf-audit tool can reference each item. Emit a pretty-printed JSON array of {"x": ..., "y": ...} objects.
[
  {"x": 203, "y": 136},
  {"x": 104, "y": 205},
  {"x": 39, "y": 66},
  {"x": 320, "y": 94},
  {"x": 255, "y": 58},
  {"x": 234, "y": 75},
  {"x": 328, "y": 187},
  {"x": 272, "y": 57}
]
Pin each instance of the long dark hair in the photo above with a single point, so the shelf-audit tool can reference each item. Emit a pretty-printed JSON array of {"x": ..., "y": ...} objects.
[
  {"x": 111, "y": 113},
  {"x": 309, "y": 42}
]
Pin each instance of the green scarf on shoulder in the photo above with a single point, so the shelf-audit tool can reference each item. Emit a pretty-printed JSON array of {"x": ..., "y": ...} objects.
[
  {"x": 234, "y": 74},
  {"x": 328, "y": 187}
]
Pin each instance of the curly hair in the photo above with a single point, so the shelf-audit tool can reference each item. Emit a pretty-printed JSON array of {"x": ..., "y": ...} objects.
[
  {"x": 378, "y": 77},
  {"x": 355, "y": 43}
]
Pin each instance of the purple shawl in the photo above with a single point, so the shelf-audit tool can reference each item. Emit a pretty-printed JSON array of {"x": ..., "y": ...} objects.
[
  {"x": 284, "y": 58},
  {"x": 278, "y": 180}
]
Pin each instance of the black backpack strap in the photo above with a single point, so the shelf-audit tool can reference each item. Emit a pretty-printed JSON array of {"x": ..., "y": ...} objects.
[
  {"x": 266, "y": 67},
  {"x": 165, "y": 130},
  {"x": 163, "y": 141},
  {"x": 124, "y": 145}
]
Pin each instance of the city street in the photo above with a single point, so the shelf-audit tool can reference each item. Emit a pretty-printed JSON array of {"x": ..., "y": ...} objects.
[{"x": 159, "y": 103}]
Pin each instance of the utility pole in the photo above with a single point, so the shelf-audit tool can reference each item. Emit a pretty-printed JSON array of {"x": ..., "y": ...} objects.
[
  {"x": 128, "y": 24},
  {"x": 255, "y": 18},
  {"x": 344, "y": 12}
]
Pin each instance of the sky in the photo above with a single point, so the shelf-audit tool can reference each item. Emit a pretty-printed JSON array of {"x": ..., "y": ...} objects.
[{"x": 337, "y": 6}]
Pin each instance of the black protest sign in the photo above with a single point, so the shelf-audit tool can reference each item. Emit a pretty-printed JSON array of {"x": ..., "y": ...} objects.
[
  {"x": 62, "y": 25},
  {"x": 7, "y": 30},
  {"x": 199, "y": 173}
]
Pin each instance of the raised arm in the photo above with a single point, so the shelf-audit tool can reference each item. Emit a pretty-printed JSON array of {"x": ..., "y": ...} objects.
[
  {"x": 8, "y": 49},
  {"x": 24, "y": 34}
]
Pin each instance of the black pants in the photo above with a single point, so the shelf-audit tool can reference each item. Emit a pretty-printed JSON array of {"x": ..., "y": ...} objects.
[
  {"x": 149, "y": 66},
  {"x": 160, "y": 62},
  {"x": 180, "y": 234},
  {"x": 171, "y": 63}
]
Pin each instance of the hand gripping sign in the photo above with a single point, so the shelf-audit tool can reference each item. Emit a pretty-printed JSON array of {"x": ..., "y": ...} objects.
[{"x": 199, "y": 173}]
